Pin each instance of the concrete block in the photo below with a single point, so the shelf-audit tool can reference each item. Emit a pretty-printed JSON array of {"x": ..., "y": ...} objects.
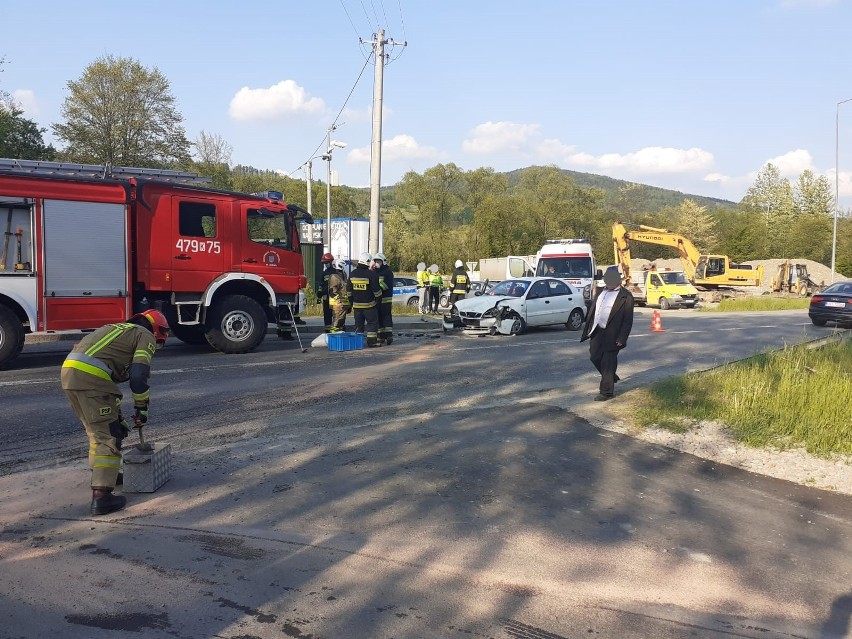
[{"x": 145, "y": 472}]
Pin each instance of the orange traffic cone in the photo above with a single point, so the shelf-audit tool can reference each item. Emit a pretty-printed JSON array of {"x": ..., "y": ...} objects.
[{"x": 657, "y": 323}]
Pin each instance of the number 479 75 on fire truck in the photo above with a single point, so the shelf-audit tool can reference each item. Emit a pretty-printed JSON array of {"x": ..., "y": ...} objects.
[{"x": 85, "y": 245}]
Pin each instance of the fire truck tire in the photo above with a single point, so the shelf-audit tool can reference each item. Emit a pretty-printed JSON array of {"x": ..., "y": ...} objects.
[
  {"x": 188, "y": 334},
  {"x": 11, "y": 336},
  {"x": 193, "y": 335},
  {"x": 236, "y": 324}
]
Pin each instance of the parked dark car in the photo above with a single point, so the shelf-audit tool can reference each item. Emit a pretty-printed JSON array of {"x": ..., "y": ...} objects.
[{"x": 834, "y": 304}]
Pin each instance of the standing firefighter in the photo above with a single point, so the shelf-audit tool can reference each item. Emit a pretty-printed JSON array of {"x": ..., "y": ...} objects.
[
  {"x": 386, "y": 303},
  {"x": 365, "y": 291},
  {"x": 328, "y": 267},
  {"x": 459, "y": 284},
  {"x": 337, "y": 289},
  {"x": 90, "y": 376}
]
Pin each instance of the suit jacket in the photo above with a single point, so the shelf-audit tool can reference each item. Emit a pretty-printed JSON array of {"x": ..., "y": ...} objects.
[{"x": 619, "y": 324}]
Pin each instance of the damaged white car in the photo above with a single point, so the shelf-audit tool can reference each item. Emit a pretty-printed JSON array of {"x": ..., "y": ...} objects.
[{"x": 513, "y": 305}]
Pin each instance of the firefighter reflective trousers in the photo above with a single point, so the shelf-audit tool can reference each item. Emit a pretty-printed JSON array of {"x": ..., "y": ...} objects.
[
  {"x": 385, "y": 318},
  {"x": 100, "y": 414},
  {"x": 370, "y": 318}
]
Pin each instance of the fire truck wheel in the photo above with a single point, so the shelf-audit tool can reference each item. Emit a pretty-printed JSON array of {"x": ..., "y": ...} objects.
[
  {"x": 188, "y": 334},
  {"x": 11, "y": 336},
  {"x": 193, "y": 335},
  {"x": 236, "y": 324}
]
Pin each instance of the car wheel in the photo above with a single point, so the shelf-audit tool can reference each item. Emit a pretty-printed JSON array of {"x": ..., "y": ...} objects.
[
  {"x": 445, "y": 301},
  {"x": 575, "y": 320},
  {"x": 413, "y": 302},
  {"x": 518, "y": 324},
  {"x": 818, "y": 322},
  {"x": 492, "y": 330},
  {"x": 664, "y": 304}
]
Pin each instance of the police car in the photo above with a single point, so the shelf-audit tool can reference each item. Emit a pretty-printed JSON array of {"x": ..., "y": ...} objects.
[{"x": 405, "y": 291}]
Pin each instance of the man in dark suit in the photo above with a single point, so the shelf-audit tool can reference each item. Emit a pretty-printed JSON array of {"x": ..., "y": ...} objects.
[{"x": 608, "y": 324}]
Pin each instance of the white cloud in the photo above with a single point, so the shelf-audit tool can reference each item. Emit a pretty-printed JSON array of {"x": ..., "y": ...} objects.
[
  {"x": 278, "y": 101},
  {"x": 26, "y": 99},
  {"x": 792, "y": 163},
  {"x": 493, "y": 137},
  {"x": 553, "y": 150},
  {"x": 399, "y": 147},
  {"x": 651, "y": 160}
]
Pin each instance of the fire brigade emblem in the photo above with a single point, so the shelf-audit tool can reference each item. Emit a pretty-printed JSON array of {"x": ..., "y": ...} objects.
[{"x": 271, "y": 258}]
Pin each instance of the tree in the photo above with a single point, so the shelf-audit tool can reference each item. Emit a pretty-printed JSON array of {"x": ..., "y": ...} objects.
[
  {"x": 812, "y": 195},
  {"x": 771, "y": 197},
  {"x": 21, "y": 138},
  {"x": 121, "y": 113},
  {"x": 695, "y": 223},
  {"x": 212, "y": 148}
]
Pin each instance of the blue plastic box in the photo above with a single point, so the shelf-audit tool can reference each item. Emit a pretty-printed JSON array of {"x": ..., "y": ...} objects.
[{"x": 346, "y": 341}]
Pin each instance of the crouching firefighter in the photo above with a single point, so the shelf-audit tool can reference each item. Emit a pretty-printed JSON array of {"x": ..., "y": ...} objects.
[
  {"x": 365, "y": 293},
  {"x": 90, "y": 376}
]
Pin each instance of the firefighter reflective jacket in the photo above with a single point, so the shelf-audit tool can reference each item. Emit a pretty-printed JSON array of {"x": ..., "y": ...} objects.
[
  {"x": 386, "y": 283},
  {"x": 103, "y": 359},
  {"x": 364, "y": 287},
  {"x": 460, "y": 283},
  {"x": 337, "y": 288}
]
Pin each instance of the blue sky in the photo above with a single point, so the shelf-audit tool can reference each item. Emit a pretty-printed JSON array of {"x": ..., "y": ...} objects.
[{"x": 691, "y": 95}]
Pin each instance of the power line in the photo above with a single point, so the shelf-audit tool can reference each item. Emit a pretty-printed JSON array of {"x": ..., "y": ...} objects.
[{"x": 336, "y": 118}]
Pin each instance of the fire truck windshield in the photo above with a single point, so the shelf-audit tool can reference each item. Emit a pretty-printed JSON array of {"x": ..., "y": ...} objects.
[{"x": 272, "y": 228}]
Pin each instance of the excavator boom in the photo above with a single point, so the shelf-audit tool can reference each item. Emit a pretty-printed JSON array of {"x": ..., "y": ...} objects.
[{"x": 701, "y": 270}]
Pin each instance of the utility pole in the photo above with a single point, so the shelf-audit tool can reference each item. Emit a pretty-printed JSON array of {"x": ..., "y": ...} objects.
[{"x": 378, "y": 43}]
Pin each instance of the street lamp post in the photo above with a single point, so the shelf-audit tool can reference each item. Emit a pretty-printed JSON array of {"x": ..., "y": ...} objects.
[
  {"x": 332, "y": 144},
  {"x": 836, "y": 183}
]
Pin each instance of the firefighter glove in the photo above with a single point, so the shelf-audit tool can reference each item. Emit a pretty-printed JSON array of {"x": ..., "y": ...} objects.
[{"x": 141, "y": 415}]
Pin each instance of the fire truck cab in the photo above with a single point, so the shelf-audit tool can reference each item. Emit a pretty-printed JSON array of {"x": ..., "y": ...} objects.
[{"x": 81, "y": 251}]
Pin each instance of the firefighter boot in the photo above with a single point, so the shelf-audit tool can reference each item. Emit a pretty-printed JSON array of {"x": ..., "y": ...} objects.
[{"x": 104, "y": 502}]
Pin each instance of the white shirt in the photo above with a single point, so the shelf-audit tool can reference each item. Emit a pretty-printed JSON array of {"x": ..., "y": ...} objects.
[{"x": 604, "y": 307}]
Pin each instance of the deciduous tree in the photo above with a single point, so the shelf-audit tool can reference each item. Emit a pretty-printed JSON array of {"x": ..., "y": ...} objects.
[{"x": 122, "y": 113}]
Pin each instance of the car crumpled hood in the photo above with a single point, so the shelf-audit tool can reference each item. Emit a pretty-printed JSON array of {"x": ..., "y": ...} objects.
[{"x": 482, "y": 303}]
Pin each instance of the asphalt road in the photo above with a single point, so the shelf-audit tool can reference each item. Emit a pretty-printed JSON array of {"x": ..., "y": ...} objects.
[{"x": 440, "y": 487}]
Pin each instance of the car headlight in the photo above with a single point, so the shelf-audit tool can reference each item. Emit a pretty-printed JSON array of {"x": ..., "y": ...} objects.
[{"x": 491, "y": 312}]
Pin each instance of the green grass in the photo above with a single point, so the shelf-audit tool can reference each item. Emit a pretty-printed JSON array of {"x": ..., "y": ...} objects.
[
  {"x": 794, "y": 397},
  {"x": 759, "y": 303}
]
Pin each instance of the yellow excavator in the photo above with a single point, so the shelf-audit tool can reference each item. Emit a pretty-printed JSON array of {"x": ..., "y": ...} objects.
[{"x": 708, "y": 271}]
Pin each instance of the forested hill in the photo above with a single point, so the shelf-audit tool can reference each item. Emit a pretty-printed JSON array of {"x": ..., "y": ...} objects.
[
  {"x": 640, "y": 196},
  {"x": 620, "y": 196}
]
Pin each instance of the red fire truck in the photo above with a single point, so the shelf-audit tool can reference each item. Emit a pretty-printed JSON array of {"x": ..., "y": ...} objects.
[{"x": 85, "y": 245}]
